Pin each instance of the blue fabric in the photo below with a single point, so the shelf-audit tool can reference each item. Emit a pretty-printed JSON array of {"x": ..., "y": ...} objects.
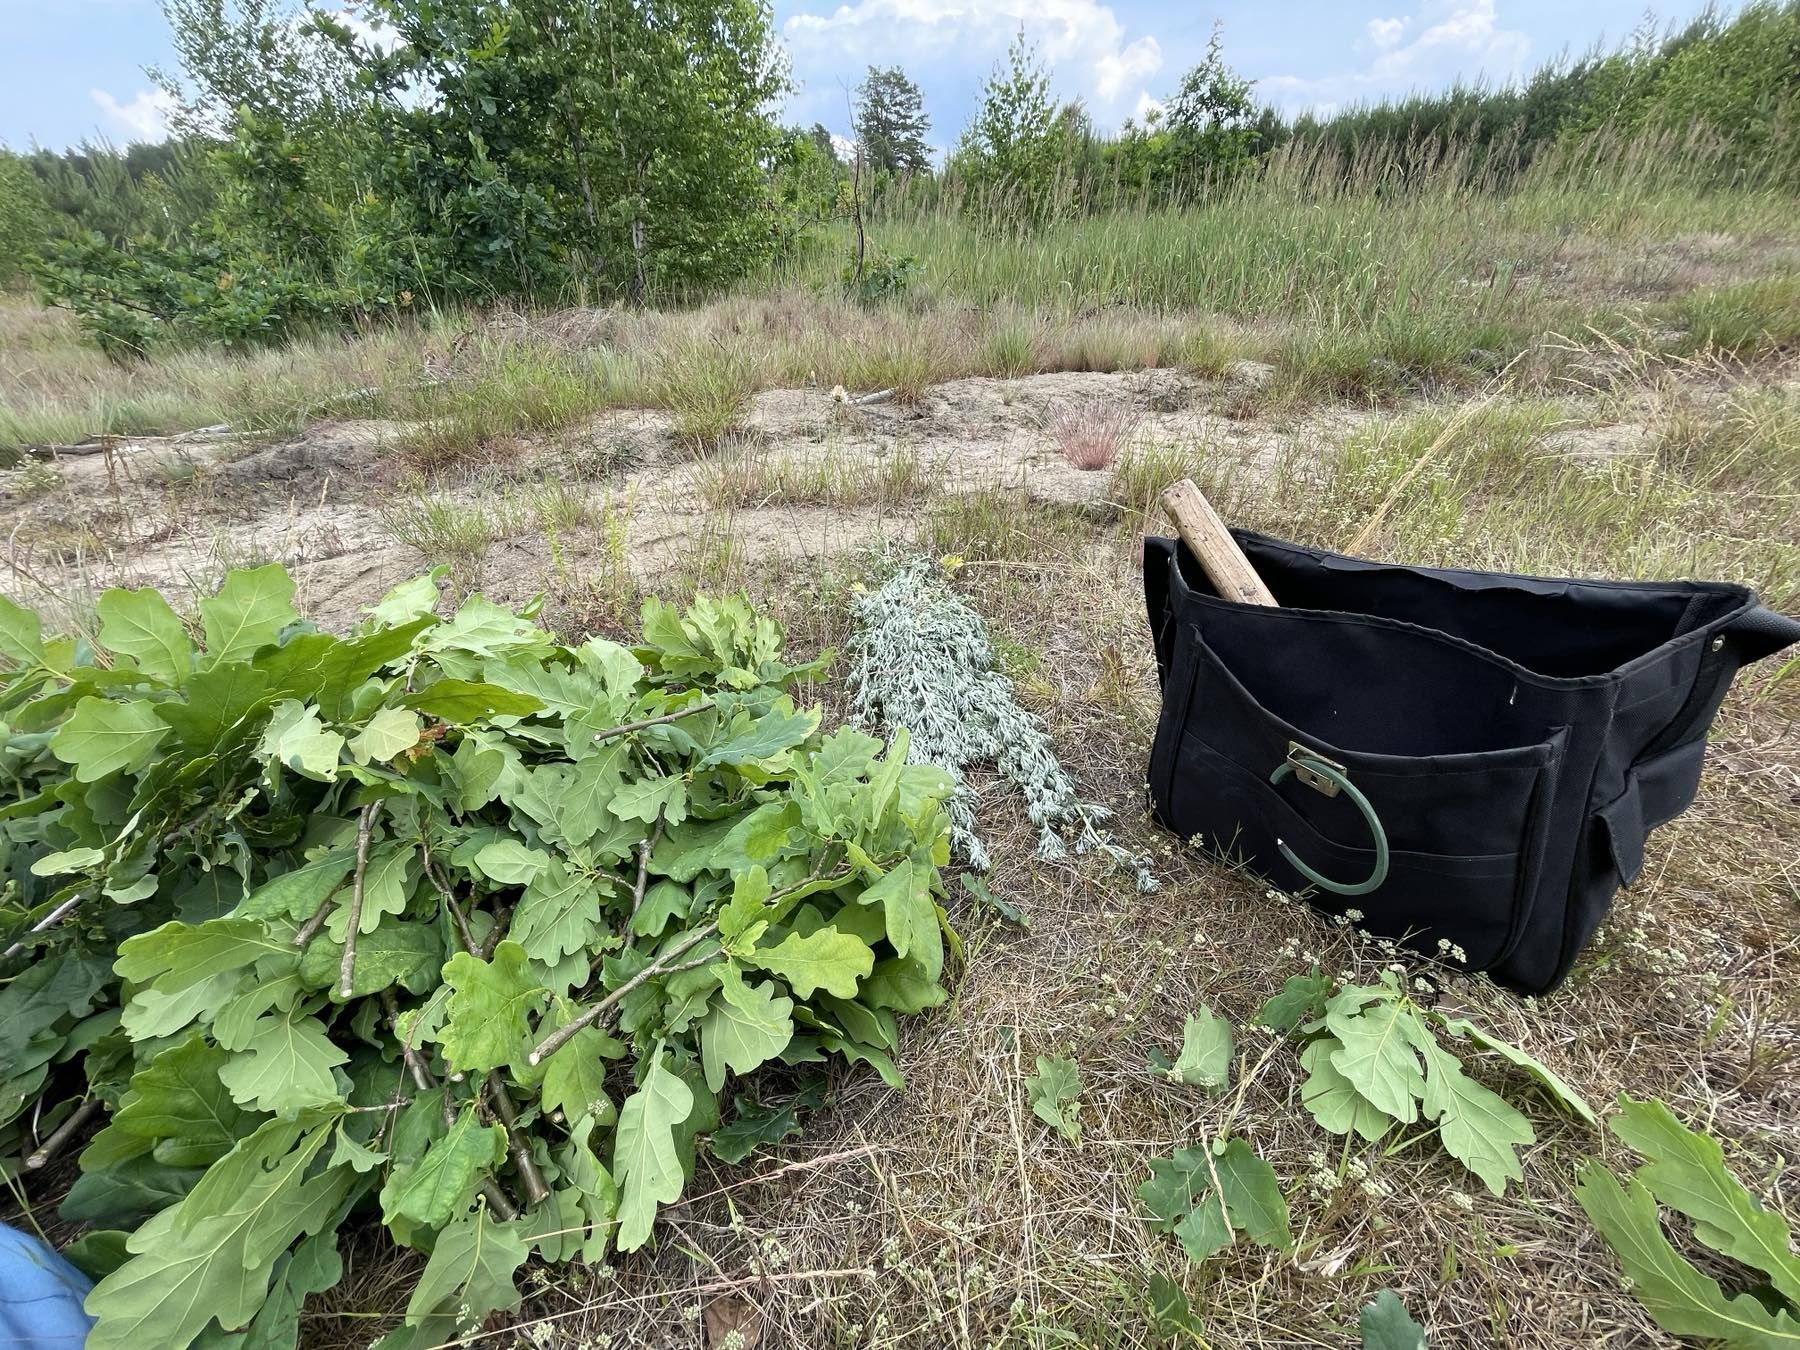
[{"x": 40, "y": 1296}]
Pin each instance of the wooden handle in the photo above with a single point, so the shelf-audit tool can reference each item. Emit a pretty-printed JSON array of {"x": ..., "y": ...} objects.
[{"x": 1208, "y": 540}]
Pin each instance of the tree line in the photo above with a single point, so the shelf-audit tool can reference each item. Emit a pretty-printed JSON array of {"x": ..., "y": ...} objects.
[{"x": 464, "y": 150}]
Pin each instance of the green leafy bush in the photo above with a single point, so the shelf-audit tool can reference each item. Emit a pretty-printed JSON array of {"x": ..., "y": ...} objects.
[
  {"x": 136, "y": 298},
  {"x": 883, "y": 276},
  {"x": 441, "y": 923}
]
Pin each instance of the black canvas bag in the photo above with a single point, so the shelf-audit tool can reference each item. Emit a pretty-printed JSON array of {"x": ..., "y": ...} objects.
[{"x": 1471, "y": 759}]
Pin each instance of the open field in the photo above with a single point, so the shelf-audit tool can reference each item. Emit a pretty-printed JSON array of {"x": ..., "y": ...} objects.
[{"x": 1622, "y": 369}]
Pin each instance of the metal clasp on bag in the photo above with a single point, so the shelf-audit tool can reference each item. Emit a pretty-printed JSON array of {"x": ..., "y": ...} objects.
[{"x": 1303, "y": 760}]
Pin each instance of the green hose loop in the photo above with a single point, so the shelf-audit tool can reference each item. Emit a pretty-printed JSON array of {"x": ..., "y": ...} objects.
[{"x": 1333, "y": 774}]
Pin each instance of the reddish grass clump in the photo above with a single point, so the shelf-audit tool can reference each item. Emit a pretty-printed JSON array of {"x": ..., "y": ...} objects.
[{"x": 1090, "y": 433}]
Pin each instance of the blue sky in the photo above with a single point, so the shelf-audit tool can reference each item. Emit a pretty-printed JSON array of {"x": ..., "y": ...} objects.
[{"x": 74, "y": 68}]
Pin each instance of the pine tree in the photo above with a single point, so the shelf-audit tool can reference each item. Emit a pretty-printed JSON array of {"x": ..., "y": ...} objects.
[{"x": 891, "y": 122}]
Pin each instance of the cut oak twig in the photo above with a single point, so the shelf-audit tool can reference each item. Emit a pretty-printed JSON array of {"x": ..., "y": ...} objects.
[
  {"x": 1211, "y": 543},
  {"x": 43, "y": 925},
  {"x": 645, "y": 849},
  {"x": 415, "y": 1064},
  {"x": 316, "y": 920},
  {"x": 536, "y": 1192},
  {"x": 496, "y": 932},
  {"x": 347, "y": 966},
  {"x": 64, "y": 1132},
  {"x": 625, "y": 729},
  {"x": 664, "y": 965}
]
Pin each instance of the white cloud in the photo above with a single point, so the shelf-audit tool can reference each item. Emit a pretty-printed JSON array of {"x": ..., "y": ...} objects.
[
  {"x": 145, "y": 118},
  {"x": 1082, "y": 41},
  {"x": 1454, "y": 38},
  {"x": 1139, "y": 61},
  {"x": 1146, "y": 105},
  {"x": 1385, "y": 33},
  {"x": 380, "y": 38}
]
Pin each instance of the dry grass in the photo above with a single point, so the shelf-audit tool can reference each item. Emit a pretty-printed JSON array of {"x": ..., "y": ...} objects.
[
  {"x": 947, "y": 1215},
  {"x": 1089, "y": 434},
  {"x": 751, "y": 476}
]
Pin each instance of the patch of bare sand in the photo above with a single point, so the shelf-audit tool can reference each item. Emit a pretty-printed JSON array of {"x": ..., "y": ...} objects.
[{"x": 313, "y": 501}]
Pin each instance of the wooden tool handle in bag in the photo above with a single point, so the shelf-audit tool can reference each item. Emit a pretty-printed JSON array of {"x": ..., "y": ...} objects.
[{"x": 1208, "y": 540}]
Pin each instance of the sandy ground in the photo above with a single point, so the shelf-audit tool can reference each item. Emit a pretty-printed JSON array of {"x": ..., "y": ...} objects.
[
  {"x": 944, "y": 1216},
  {"x": 175, "y": 514}
]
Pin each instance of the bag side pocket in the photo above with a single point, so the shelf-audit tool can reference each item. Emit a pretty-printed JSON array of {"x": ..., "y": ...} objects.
[
  {"x": 1465, "y": 832},
  {"x": 1657, "y": 789}
]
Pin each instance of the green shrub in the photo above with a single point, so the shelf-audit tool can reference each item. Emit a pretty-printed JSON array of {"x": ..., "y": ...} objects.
[
  {"x": 884, "y": 276},
  {"x": 137, "y": 298},
  {"x": 24, "y": 217}
]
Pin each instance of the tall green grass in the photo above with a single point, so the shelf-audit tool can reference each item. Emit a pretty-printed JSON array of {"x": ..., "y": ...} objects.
[
  {"x": 1365, "y": 277},
  {"x": 1333, "y": 241}
]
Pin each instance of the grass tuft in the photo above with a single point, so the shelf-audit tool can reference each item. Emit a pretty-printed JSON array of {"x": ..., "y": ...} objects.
[
  {"x": 1090, "y": 432},
  {"x": 1009, "y": 351},
  {"x": 706, "y": 382},
  {"x": 1756, "y": 319},
  {"x": 756, "y": 478},
  {"x": 903, "y": 360},
  {"x": 441, "y": 530}
]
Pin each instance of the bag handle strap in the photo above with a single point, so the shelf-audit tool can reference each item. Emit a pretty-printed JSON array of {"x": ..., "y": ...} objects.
[
  {"x": 1317, "y": 771},
  {"x": 1760, "y": 631},
  {"x": 1750, "y": 636}
]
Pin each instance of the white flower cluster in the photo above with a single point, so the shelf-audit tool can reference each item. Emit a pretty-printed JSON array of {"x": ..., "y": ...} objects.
[{"x": 922, "y": 660}]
